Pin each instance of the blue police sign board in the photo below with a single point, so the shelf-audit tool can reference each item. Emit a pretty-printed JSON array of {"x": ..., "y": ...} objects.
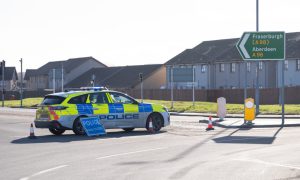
[{"x": 92, "y": 126}]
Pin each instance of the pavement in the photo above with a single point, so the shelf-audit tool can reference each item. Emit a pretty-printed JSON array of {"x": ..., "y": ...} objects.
[
  {"x": 237, "y": 120},
  {"x": 267, "y": 116}
]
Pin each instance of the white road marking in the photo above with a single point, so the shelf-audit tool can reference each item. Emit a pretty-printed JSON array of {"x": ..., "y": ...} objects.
[
  {"x": 44, "y": 171},
  {"x": 128, "y": 153},
  {"x": 269, "y": 163}
]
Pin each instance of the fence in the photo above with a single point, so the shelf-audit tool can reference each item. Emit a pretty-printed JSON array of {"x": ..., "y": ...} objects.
[
  {"x": 13, "y": 95},
  {"x": 267, "y": 96}
]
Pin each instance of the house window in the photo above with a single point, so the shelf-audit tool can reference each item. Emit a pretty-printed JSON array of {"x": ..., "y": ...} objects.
[
  {"x": 298, "y": 65},
  {"x": 260, "y": 65},
  {"x": 286, "y": 65},
  {"x": 222, "y": 67},
  {"x": 203, "y": 68},
  {"x": 232, "y": 67},
  {"x": 248, "y": 66}
]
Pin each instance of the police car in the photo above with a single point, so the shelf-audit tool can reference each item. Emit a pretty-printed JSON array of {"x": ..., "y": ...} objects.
[{"x": 62, "y": 111}]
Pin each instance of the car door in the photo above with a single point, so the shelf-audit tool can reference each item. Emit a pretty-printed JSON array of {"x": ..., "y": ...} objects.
[
  {"x": 100, "y": 105},
  {"x": 129, "y": 109}
]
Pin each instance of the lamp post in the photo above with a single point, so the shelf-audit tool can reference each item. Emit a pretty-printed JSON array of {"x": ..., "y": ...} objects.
[
  {"x": 172, "y": 95},
  {"x": 21, "y": 93},
  {"x": 193, "y": 86},
  {"x": 257, "y": 63},
  {"x": 53, "y": 81},
  {"x": 93, "y": 80},
  {"x": 141, "y": 79},
  {"x": 62, "y": 77},
  {"x": 3, "y": 68}
]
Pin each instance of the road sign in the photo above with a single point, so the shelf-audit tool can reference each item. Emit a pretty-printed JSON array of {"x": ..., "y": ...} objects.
[
  {"x": 92, "y": 126},
  {"x": 262, "y": 46}
]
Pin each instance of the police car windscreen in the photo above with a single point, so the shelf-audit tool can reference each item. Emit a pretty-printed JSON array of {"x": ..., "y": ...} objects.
[{"x": 50, "y": 100}]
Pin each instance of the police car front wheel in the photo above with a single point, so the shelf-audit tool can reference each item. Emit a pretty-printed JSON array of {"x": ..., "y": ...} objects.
[{"x": 157, "y": 122}]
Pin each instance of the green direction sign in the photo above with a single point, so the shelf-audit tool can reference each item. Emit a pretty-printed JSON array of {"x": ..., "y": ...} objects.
[{"x": 262, "y": 46}]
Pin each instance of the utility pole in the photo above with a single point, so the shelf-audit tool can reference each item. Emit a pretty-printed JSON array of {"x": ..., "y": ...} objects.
[
  {"x": 21, "y": 93},
  {"x": 53, "y": 81},
  {"x": 62, "y": 77},
  {"x": 257, "y": 63},
  {"x": 93, "y": 80},
  {"x": 172, "y": 98},
  {"x": 141, "y": 79},
  {"x": 3, "y": 90},
  {"x": 193, "y": 86}
]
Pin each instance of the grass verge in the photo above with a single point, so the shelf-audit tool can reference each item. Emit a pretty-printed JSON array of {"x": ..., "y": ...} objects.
[{"x": 185, "y": 106}]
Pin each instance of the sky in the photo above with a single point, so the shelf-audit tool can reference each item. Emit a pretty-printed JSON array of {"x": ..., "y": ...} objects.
[{"x": 129, "y": 32}]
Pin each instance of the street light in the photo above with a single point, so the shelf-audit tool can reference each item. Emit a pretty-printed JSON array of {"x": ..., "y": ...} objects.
[
  {"x": 21, "y": 93},
  {"x": 141, "y": 79},
  {"x": 3, "y": 67},
  {"x": 93, "y": 80}
]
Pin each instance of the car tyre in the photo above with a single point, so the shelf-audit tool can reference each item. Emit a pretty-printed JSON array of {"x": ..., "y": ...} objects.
[
  {"x": 78, "y": 128},
  {"x": 56, "y": 131},
  {"x": 157, "y": 122},
  {"x": 128, "y": 129}
]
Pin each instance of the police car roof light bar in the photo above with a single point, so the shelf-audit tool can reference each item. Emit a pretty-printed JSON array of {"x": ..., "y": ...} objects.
[{"x": 93, "y": 88}]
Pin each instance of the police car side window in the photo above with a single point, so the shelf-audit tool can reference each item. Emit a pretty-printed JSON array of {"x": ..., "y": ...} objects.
[
  {"x": 119, "y": 98},
  {"x": 98, "y": 98},
  {"x": 79, "y": 99}
]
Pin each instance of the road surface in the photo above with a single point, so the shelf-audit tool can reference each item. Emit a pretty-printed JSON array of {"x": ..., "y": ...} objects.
[{"x": 182, "y": 151}]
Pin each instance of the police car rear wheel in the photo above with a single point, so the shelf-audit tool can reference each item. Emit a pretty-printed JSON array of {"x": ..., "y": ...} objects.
[
  {"x": 128, "y": 129},
  {"x": 157, "y": 122},
  {"x": 77, "y": 127},
  {"x": 56, "y": 131}
]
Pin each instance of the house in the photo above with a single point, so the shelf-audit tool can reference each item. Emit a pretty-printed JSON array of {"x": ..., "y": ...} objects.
[
  {"x": 217, "y": 64},
  {"x": 56, "y": 73},
  {"x": 123, "y": 77},
  {"x": 10, "y": 79}
]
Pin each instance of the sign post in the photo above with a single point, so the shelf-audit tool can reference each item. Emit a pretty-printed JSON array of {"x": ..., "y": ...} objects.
[{"x": 257, "y": 46}]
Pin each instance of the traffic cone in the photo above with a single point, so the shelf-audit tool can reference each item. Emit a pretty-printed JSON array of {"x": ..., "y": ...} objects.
[
  {"x": 150, "y": 128},
  {"x": 210, "y": 125},
  {"x": 31, "y": 135}
]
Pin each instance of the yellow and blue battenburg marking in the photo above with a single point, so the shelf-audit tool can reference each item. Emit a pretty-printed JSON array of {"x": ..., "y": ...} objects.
[
  {"x": 85, "y": 109},
  {"x": 145, "y": 108},
  {"x": 116, "y": 108}
]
